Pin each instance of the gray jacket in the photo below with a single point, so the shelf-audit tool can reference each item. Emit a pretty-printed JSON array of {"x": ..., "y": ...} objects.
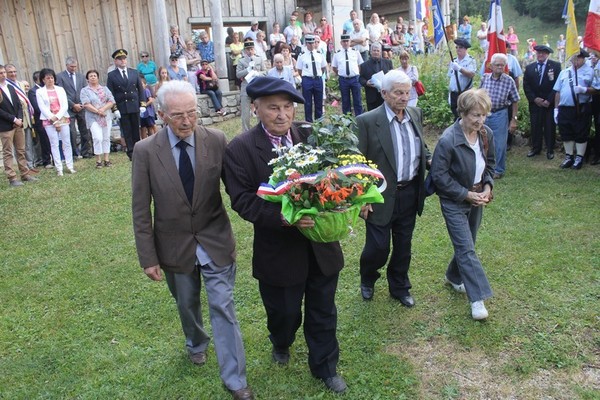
[{"x": 453, "y": 164}]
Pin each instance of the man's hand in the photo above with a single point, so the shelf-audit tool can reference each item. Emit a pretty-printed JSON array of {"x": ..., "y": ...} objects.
[
  {"x": 556, "y": 115},
  {"x": 153, "y": 273},
  {"x": 117, "y": 114},
  {"x": 77, "y": 107},
  {"x": 365, "y": 210},
  {"x": 18, "y": 122},
  {"x": 305, "y": 222},
  {"x": 455, "y": 66},
  {"x": 579, "y": 89},
  {"x": 512, "y": 126},
  {"x": 142, "y": 110}
]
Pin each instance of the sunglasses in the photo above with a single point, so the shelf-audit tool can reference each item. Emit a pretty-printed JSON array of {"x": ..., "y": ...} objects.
[{"x": 145, "y": 56}]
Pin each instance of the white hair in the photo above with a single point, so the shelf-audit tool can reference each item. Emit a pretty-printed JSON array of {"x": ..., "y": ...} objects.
[
  {"x": 172, "y": 89},
  {"x": 499, "y": 56},
  {"x": 393, "y": 77}
]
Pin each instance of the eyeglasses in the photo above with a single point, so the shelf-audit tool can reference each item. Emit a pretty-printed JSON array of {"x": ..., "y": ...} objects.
[
  {"x": 145, "y": 56},
  {"x": 318, "y": 32},
  {"x": 182, "y": 116}
]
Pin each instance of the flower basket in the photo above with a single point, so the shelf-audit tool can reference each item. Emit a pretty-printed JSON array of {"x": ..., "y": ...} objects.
[{"x": 327, "y": 179}]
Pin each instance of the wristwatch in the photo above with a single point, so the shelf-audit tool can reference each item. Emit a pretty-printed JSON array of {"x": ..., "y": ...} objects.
[{"x": 515, "y": 117}]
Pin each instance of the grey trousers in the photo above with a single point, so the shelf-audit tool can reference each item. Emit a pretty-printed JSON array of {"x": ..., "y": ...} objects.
[
  {"x": 219, "y": 283},
  {"x": 246, "y": 110},
  {"x": 462, "y": 221}
]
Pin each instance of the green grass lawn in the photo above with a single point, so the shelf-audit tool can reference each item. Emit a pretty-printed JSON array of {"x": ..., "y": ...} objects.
[{"x": 79, "y": 319}]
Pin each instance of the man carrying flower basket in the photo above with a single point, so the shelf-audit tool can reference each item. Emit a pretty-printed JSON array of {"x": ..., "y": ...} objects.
[
  {"x": 288, "y": 266},
  {"x": 392, "y": 136}
]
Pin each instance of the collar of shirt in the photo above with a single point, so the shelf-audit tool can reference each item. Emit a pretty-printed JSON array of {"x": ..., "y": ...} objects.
[
  {"x": 276, "y": 140},
  {"x": 390, "y": 115},
  {"x": 173, "y": 140}
]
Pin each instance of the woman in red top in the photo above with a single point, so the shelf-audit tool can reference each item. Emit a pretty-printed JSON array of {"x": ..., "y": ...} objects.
[
  {"x": 209, "y": 85},
  {"x": 327, "y": 37}
]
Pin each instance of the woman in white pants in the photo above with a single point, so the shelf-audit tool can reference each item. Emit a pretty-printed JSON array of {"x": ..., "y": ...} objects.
[
  {"x": 53, "y": 104},
  {"x": 98, "y": 101}
]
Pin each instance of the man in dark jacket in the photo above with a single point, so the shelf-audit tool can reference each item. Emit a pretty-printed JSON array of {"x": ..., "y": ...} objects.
[
  {"x": 369, "y": 68},
  {"x": 288, "y": 266}
]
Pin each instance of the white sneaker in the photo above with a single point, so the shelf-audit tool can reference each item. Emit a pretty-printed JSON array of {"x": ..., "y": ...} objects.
[
  {"x": 59, "y": 173},
  {"x": 71, "y": 171},
  {"x": 459, "y": 288},
  {"x": 478, "y": 310}
]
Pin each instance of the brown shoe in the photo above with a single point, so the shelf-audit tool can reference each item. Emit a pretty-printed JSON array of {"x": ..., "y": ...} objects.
[
  {"x": 34, "y": 171},
  {"x": 198, "y": 358},
  {"x": 243, "y": 394}
]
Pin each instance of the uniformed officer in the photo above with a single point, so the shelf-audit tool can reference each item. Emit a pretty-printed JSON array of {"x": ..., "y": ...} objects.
[
  {"x": 345, "y": 64},
  {"x": 126, "y": 86},
  {"x": 593, "y": 62},
  {"x": 461, "y": 72},
  {"x": 311, "y": 65},
  {"x": 248, "y": 67},
  {"x": 573, "y": 108}
]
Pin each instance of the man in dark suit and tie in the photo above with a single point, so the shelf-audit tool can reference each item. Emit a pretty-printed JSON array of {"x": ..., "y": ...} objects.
[
  {"x": 126, "y": 86},
  {"x": 392, "y": 137},
  {"x": 538, "y": 84},
  {"x": 288, "y": 266},
  {"x": 187, "y": 234},
  {"x": 11, "y": 133},
  {"x": 73, "y": 81},
  {"x": 369, "y": 68}
]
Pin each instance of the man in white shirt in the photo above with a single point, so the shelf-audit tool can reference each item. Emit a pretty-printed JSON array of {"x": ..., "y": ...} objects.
[
  {"x": 311, "y": 65},
  {"x": 345, "y": 64}
]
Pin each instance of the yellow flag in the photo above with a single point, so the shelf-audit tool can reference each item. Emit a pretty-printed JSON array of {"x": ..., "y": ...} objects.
[
  {"x": 429, "y": 17},
  {"x": 572, "y": 46}
]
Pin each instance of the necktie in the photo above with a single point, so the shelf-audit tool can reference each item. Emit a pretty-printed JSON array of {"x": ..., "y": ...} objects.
[
  {"x": 347, "y": 65},
  {"x": 405, "y": 150},
  {"x": 124, "y": 74},
  {"x": 74, "y": 80},
  {"x": 186, "y": 172},
  {"x": 314, "y": 65},
  {"x": 540, "y": 70}
]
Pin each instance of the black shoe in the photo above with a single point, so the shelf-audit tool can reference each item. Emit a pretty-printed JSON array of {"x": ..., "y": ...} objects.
[
  {"x": 550, "y": 155},
  {"x": 567, "y": 162},
  {"x": 595, "y": 160},
  {"x": 406, "y": 301},
  {"x": 335, "y": 383},
  {"x": 281, "y": 355},
  {"x": 532, "y": 153},
  {"x": 367, "y": 292},
  {"x": 578, "y": 163}
]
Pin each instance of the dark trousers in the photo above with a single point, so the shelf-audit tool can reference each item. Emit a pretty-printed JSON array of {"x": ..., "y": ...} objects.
[
  {"x": 84, "y": 134},
  {"x": 596, "y": 115},
  {"x": 542, "y": 127},
  {"x": 371, "y": 105},
  {"x": 377, "y": 244},
  {"x": 44, "y": 142},
  {"x": 312, "y": 88},
  {"x": 351, "y": 86},
  {"x": 574, "y": 123},
  {"x": 130, "y": 129},
  {"x": 284, "y": 316},
  {"x": 453, "y": 105}
]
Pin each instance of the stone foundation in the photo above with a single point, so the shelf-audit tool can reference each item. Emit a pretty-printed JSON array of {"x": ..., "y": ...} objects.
[{"x": 207, "y": 114}]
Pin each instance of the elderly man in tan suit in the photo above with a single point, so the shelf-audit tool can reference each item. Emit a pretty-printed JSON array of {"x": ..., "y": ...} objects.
[{"x": 188, "y": 234}]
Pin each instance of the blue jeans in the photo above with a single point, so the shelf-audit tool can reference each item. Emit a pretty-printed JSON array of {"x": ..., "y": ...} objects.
[
  {"x": 462, "y": 222},
  {"x": 498, "y": 123},
  {"x": 347, "y": 86},
  {"x": 312, "y": 88},
  {"x": 216, "y": 96}
]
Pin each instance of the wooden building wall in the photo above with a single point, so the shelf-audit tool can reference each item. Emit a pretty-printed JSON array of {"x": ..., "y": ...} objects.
[{"x": 42, "y": 33}]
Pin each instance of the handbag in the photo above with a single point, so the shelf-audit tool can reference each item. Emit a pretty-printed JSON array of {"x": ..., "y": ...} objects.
[
  {"x": 212, "y": 85},
  {"x": 420, "y": 88}
]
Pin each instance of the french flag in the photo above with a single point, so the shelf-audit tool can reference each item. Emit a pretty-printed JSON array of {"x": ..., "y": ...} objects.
[
  {"x": 591, "y": 40},
  {"x": 495, "y": 36}
]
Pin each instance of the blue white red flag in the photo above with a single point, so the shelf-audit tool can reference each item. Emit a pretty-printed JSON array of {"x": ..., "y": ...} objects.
[
  {"x": 495, "y": 35},
  {"x": 592, "y": 26},
  {"x": 438, "y": 22},
  {"x": 421, "y": 10}
]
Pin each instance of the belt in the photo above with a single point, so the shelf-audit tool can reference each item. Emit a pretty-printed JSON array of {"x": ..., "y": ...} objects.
[
  {"x": 349, "y": 77},
  {"x": 499, "y": 109},
  {"x": 310, "y": 77},
  {"x": 404, "y": 184},
  {"x": 478, "y": 187}
]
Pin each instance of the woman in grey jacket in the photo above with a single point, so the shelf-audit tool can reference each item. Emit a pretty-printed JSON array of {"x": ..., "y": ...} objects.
[{"x": 462, "y": 170}]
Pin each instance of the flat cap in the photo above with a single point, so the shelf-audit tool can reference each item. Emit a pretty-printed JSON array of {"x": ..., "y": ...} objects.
[
  {"x": 462, "y": 43},
  {"x": 346, "y": 37},
  {"x": 119, "y": 53},
  {"x": 255, "y": 22},
  {"x": 582, "y": 53},
  {"x": 267, "y": 86},
  {"x": 249, "y": 44},
  {"x": 543, "y": 48}
]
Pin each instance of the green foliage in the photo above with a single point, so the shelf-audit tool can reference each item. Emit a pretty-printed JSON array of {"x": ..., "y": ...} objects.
[{"x": 336, "y": 135}]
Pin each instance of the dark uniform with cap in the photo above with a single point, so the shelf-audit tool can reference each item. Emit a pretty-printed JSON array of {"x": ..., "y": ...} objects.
[
  {"x": 126, "y": 86},
  {"x": 573, "y": 109},
  {"x": 311, "y": 65},
  {"x": 289, "y": 267},
  {"x": 345, "y": 64},
  {"x": 538, "y": 84},
  {"x": 465, "y": 70}
]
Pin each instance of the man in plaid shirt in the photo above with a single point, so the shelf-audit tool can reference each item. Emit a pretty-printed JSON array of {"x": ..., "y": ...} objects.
[{"x": 504, "y": 94}]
